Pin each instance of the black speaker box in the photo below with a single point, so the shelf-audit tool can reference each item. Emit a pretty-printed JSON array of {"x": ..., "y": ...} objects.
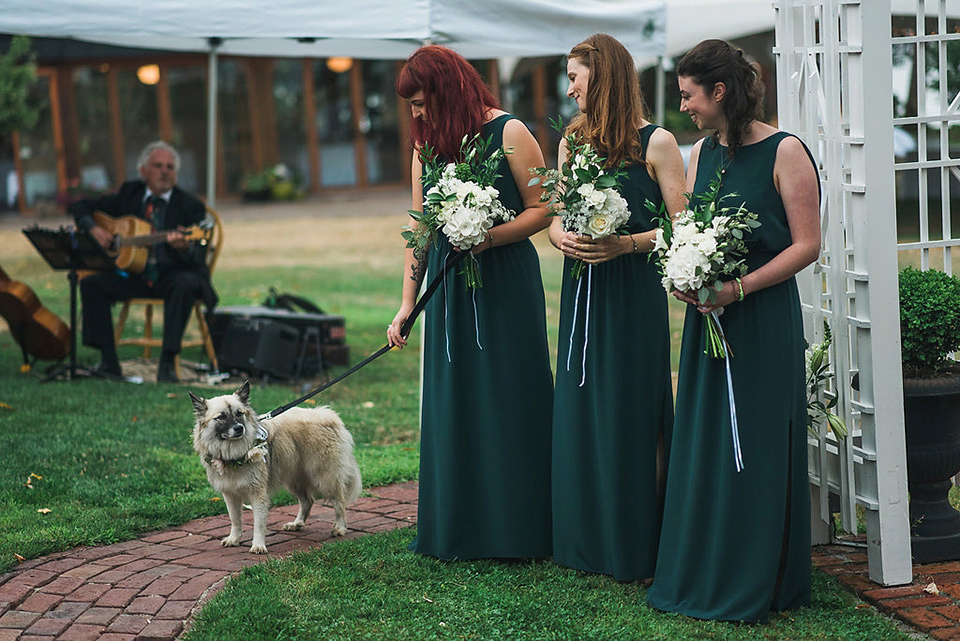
[
  {"x": 321, "y": 338},
  {"x": 259, "y": 346}
]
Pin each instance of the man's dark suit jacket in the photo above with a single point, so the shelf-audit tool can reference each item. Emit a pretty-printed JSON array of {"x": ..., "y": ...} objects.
[{"x": 183, "y": 210}]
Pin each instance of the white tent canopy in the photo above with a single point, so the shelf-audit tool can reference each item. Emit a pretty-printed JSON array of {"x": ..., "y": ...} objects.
[
  {"x": 690, "y": 21},
  {"x": 359, "y": 28},
  {"x": 380, "y": 29}
]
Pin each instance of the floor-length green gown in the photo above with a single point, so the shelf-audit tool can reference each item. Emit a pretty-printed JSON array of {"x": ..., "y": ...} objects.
[
  {"x": 612, "y": 409},
  {"x": 487, "y": 403},
  {"x": 735, "y": 545}
]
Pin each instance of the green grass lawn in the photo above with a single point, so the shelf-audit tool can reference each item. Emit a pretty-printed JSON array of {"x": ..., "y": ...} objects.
[
  {"x": 373, "y": 588},
  {"x": 111, "y": 460},
  {"x": 89, "y": 462}
]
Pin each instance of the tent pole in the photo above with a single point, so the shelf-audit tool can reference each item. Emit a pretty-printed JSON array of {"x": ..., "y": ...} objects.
[
  {"x": 661, "y": 90},
  {"x": 212, "y": 86}
]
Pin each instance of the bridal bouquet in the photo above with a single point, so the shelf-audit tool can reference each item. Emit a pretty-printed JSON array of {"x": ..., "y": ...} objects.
[
  {"x": 462, "y": 202},
  {"x": 699, "y": 246},
  {"x": 817, "y": 358},
  {"x": 583, "y": 191}
]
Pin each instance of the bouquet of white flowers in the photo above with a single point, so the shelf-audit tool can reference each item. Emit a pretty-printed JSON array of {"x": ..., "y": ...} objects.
[
  {"x": 700, "y": 245},
  {"x": 461, "y": 202},
  {"x": 817, "y": 358},
  {"x": 694, "y": 249},
  {"x": 584, "y": 193}
]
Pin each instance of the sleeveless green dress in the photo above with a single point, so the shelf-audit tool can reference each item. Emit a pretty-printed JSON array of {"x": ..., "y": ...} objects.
[
  {"x": 487, "y": 403},
  {"x": 606, "y": 503},
  {"x": 735, "y": 545}
]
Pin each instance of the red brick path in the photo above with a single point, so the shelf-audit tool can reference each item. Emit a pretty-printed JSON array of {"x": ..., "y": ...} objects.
[
  {"x": 147, "y": 589},
  {"x": 935, "y": 612}
]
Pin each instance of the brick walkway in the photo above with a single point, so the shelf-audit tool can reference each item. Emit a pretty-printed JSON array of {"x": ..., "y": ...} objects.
[
  {"x": 931, "y": 611},
  {"x": 147, "y": 589}
]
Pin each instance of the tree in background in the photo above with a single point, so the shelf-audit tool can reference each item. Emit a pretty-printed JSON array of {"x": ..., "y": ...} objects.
[{"x": 17, "y": 75}]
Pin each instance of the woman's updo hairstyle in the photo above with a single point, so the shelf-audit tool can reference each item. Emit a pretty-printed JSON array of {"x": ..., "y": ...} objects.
[{"x": 714, "y": 61}]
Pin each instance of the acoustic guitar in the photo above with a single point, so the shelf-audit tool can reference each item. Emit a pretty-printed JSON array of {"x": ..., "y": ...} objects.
[
  {"x": 37, "y": 330},
  {"x": 132, "y": 238}
]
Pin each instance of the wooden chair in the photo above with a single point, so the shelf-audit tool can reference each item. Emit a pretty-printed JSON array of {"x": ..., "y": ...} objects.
[{"x": 148, "y": 340}]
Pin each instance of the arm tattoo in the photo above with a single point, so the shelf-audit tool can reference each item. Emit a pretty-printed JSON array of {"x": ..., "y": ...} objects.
[{"x": 419, "y": 266}]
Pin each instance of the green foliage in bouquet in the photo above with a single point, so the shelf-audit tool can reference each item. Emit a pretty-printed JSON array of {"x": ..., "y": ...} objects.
[
  {"x": 583, "y": 192},
  {"x": 705, "y": 211},
  {"x": 701, "y": 247},
  {"x": 583, "y": 166},
  {"x": 473, "y": 166}
]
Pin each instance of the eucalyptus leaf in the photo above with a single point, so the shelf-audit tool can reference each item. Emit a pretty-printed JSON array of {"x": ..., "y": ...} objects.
[
  {"x": 583, "y": 175},
  {"x": 606, "y": 182}
]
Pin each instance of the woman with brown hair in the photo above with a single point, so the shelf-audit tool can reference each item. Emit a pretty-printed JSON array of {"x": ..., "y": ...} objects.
[
  {"x": 736, "y": 544},
  {"x": 487, "y": 386},
  {"x": 613, "y": 405}
]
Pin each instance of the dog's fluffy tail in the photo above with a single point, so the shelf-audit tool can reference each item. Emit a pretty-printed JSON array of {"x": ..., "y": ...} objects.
[{"x": 350, "y": 474}]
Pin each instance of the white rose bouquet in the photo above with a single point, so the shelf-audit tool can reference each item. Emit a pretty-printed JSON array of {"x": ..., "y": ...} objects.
[
  {"x": 461, "y": 202},
  {"x": 817, "y": 358},
  {"x": 700, "y": 245},
  {"x": 583, "y": 191}
]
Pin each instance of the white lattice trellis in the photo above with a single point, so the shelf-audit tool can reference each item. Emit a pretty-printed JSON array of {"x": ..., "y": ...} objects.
[
  {"x": 932, "y": 178},
  {"x": 833, "y": 66}
]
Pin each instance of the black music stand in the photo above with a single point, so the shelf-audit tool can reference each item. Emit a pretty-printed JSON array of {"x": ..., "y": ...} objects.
[{"x": 70, "y": 249}]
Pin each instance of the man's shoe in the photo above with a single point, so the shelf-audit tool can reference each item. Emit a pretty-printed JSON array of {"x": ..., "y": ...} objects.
[
  {"x": 107, "y": 370},
  {"x": 167, "y": 372}
]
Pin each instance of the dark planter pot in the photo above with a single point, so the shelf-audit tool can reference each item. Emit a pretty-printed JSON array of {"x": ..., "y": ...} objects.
[
  {"x": 931, "y": 408},
  {"x": 260, "y": 195}
]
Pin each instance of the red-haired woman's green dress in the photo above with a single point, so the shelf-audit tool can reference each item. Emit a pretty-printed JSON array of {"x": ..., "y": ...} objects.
[{"x": 487, "y": 401}]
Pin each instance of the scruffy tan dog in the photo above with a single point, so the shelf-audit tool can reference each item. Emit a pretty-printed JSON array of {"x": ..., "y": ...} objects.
[{"x": 307, "y": 451}]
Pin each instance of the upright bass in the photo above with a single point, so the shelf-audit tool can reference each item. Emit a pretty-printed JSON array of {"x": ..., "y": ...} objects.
[{"x": 39, "y": 332}]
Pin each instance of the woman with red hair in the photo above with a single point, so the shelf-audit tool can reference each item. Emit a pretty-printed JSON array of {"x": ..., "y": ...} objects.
[{"x": 487, "y": 387}]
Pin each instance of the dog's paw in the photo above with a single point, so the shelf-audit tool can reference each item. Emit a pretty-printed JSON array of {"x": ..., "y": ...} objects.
[
  {"x": 339, "y": 530},
  {"x": 292, "y": 526},
  {"x": 230, "y": 541},
  {"x": 258, "y": 549}
]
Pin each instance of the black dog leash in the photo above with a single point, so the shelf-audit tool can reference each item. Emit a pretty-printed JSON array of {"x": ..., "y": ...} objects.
[{"x": 453, "y": 258}]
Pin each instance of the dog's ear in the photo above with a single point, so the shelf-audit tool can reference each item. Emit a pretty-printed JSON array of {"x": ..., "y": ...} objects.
[
  {"x": 199, "y": 404},
  {"x": 244, "y": 393}
]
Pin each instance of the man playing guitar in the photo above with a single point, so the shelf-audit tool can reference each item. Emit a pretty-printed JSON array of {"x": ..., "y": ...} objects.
[{"x": 175, "y": 269}]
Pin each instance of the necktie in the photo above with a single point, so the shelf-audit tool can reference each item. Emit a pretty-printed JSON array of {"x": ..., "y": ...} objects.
[{"x": 153, "y": 211}]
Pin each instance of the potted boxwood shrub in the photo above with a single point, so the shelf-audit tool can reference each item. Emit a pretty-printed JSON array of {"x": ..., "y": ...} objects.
[{"x": 929, "y": 334}]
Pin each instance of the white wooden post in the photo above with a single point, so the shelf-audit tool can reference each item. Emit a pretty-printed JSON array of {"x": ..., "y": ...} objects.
[
  {"x": 874, "y": 232},
  {"x": 830, "y": 54}
]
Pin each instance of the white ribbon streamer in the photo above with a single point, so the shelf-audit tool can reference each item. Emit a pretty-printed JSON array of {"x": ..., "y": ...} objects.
[
  {"x": 734, "y": 430},
  {"x": 476, "y": 321},
  {"x": 573, "y": 328},
  {"x": 586, "y": 326},
  {"x": 446, "y": 332}
]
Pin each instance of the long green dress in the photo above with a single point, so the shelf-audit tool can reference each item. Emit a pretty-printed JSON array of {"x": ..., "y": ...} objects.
[
  {"x": 735, "y": 545},
  {"x": 487, "y": 403},
  {"x": 606, "y": 503}
]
